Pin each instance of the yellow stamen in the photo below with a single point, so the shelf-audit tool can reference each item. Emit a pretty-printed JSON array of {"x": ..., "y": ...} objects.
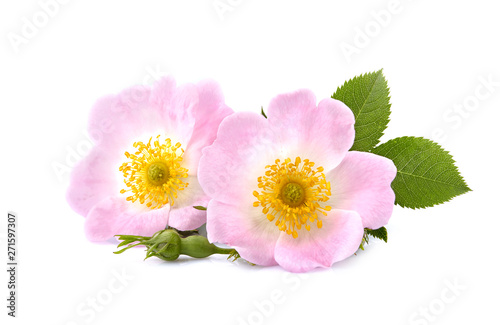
[
  {"x": 154, "y": 173},
  {"x": 293, "y": 195}
]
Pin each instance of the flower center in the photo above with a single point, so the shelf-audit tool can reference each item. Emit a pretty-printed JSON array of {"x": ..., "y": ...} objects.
[
  {"x": 158, "y": 173},
  {"x": 293, "y": 194},
  {"x": 154, "y": 173}
]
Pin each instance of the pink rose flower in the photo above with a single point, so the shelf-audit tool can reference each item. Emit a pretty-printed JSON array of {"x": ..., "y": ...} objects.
[
  {"x": 142, "y": 172},
  {"x": 285, "y": 190}
]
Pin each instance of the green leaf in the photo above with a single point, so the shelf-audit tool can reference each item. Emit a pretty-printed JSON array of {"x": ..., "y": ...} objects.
[
  {"x": 368, "y": 98},
  {"x": 380, "y": 233},
  {"x": 199, "y": 207},
  {"x": 426, "y": 175}
]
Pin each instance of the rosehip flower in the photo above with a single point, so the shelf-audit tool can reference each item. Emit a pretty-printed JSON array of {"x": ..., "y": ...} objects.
[
  {"x": 141, "y": 175},
  {"x": 287, "y": 191}
]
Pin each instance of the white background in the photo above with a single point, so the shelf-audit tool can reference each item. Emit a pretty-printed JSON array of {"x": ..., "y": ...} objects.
[{"x": 434, "y": 55}]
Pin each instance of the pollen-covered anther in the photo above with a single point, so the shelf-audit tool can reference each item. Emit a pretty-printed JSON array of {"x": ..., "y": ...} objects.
[
  {"x": 154, "y": 174},
  {"x": 292, "y": 195}
]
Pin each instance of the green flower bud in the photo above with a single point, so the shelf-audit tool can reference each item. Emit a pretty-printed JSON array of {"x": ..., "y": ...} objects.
[
  {"x": 169, "y": 244},
  {"x": 165, "y": 244}
]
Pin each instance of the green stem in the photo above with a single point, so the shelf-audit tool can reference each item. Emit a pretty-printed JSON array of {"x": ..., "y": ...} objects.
[{"x": 224, "y": 251}]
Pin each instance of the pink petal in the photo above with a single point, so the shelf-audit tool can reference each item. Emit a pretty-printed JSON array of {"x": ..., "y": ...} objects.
[
  {"x": 338, "y": 239},
  {"x": 188, "y": 218},
  {"x": 229, "y": 168},
  {"x": 362, "y": 183},
  {"x": 321, "y": 134},
  {"x": 92, "y": 180},
  {"x": 209, "y": 113},
  {"x": 112, "y": 116},
  {"x": 139, "y": 113},
  {"x": 178, "y": 108},
  {"x": 244, "y": 228},
  {"x": 182, "y": 214},
  {"x": 116, "y": 216}
]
